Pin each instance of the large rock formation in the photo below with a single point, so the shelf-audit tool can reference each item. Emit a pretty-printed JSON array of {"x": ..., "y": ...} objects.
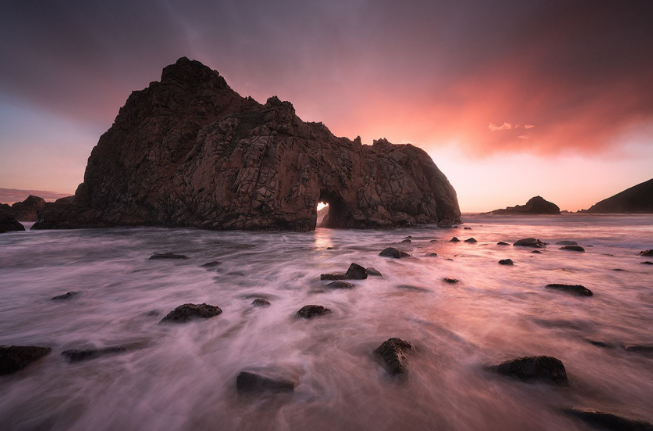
[
  {"x": 536, "y": 205},
  {"x": 25, "y": 210},
  {"x": 637, "y": 199},
  {"x": 190, "y": 151}
]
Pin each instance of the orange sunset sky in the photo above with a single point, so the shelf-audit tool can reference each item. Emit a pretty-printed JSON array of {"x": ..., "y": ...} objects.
[{"x": 511, "y": 99}]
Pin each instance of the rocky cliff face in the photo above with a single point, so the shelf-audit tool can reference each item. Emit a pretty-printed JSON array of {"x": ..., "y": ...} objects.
[
  {"x": 637, "y": 199},
  {"x": 189, "y": 151},
  {"x": 25, "y": 210},
  {"x": 535, "y": 205}
]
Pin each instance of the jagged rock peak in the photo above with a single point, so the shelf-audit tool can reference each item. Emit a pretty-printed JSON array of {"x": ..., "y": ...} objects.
[{"x": 190, "y": 151}]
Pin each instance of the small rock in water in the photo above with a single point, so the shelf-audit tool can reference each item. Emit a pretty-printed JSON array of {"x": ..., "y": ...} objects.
[
  {"x": 450, "y": 280},
  {"x": 310, "y": 311},
  {"x": 530, "y": 242},
  {"x": 392, "y": 351},
  {"x": 261, "y": 302},
  {"x": 647, "y": 263},
  {"x": 619, "y": 270},
  {"x": 566, "y": 243},
  {"x": 330, "y": 248},
  {"x": 210, "y": 264},
  {"x": 533, "y": 368},
  {"x": 573, "y": 248},
  {"x": 434, "y": 240},
  {"x": 608, "y": 421},
  {"x": 575, "y": 289},
  {"x": 506, "y": 262},
  {"x": 409, "y": 237},
  {"x": 75, "y": 355},
  {"x": 454, "y": 239},
  {"x": 65, "y": 296},
  {"x": 167, "y": 256},
  {"x": 470, "y": 240},
  {"x": 599, "y": 343},
  {"x": 536, "y": 252},
  {"x": 502, "y": 243},
  {"x": 247, "y": 382},
  {"x": 648, "y": 253},
  {"x": 394, "y": 253},
  {"x": 467, "y": 228},
  {"x": 639, "y": 348},
  {"x": 334, "y": 276},
  {"x": 356, "y": 272},
  {"x": 153, "y": 313},
  {"x": 431, "y": 255},
  {"x": 15, "y": 358},
  {"x": 407, "y": 241},
  {"x": 185, "y": 312},
  {"x": 373, "y": 272},
  {"x": 341, "y": 285},
  {"x": 409, "y": 287}
]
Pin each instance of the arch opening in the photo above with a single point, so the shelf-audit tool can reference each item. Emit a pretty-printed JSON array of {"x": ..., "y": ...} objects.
[{"x": 333, "y": 212}]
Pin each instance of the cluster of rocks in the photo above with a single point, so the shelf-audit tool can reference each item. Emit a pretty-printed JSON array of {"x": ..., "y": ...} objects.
[{"x": 26, "y": 210}]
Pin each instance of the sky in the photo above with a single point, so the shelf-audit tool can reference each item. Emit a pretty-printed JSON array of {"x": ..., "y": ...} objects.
[{"x": 511, "y": 99}]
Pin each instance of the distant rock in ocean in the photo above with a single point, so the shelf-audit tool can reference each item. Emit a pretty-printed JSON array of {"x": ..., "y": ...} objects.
[
  {"x": 536, "y": 205},
  {"x": 25, "y": 210},
  {"x": 190, "y": 151},
  {"x": 637, "y": 199}
]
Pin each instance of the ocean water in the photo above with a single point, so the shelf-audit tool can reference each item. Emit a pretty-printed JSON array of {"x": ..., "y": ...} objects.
[{"x": 185, "y": 379}]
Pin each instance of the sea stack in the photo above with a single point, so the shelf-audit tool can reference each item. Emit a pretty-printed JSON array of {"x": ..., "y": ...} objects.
[
  {"x": 635, "y": 200},
  {"x": 534, "y": 206},
  {"x": 190, "y": 151}
]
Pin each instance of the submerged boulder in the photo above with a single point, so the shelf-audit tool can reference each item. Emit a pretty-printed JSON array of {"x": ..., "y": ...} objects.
[
  {"x": 472, "y": 240},
  {"x": 506, "y": 262},
  {"x": 393, "y": 352},
  {"x": 341, "y": 285},
  {"x": 261, "y": 302},
  {"x": 647, "y": 253},
  {"x": 373, "y": 272},
  {"x": 67, "y": 295},
  {"x": 394, "y": 253},
  {"x": 530, "y": 242},
  {"x": 608, "y": 421},
  {"x": 574, "y": 289},
  {"x": 502, "y": 243},
  {"x": 170, "y": 256},
  {"x": 454, "y": 239},
  {"x": 190, "y": 151},
  {"x": 248, "y": 382},
  {"x": 566, "y": 243},
  {"x": 639, "y": 348},
  {"x": 186, "y": 312},
  {"x": 573, "y": 248},
  {"x": 310, "y": 311},
  {"x": 529, "y": 368},
  {"x": 450, "y": 280},
  {"x": 211, "y": 264},
  {"x": 76, "y": 355},
  {"x": 15, "y": 358},
  {"x": 333, "y": 276}
]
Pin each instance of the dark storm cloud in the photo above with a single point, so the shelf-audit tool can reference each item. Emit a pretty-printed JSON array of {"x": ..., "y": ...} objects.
[{"x": 429, "y": 71}]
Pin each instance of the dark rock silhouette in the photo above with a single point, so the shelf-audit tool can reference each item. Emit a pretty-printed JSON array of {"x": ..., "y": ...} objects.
[
  {"x": 575, "y": 289},
  {"x": 393, "y": 352},
  {"x": 373, "y": 272},
  {"x": 186, "y": 312},
  {"x": 609, "y": 421},
  {"x": 454, "y": 239},
  {"x": 8, "y": 222},
  {"x": 15, "y": 358},
  {"x": 190, "y": 151},
  {"x": 502, "y": 243},
  {"x": 450, "y": 280},
  {"x": 637, "y": 199},
  {"x": 247, "y": 382},
  {"x": 506, "y": 262},
  {"x": 471, "y": 240},
  {"x": 566, "y": 243},
  {"x": 356, "y": 272},
  {"x": 25, "y": 210},
  {"x": 310, "y": 311},
  {"x": 528, "y": 368},
  {"x": 333, "y": 276},
  {"x": 341, "y": 285},
  {"x": 536, "y": 205},
  {"x": 647, "y": 253}
]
